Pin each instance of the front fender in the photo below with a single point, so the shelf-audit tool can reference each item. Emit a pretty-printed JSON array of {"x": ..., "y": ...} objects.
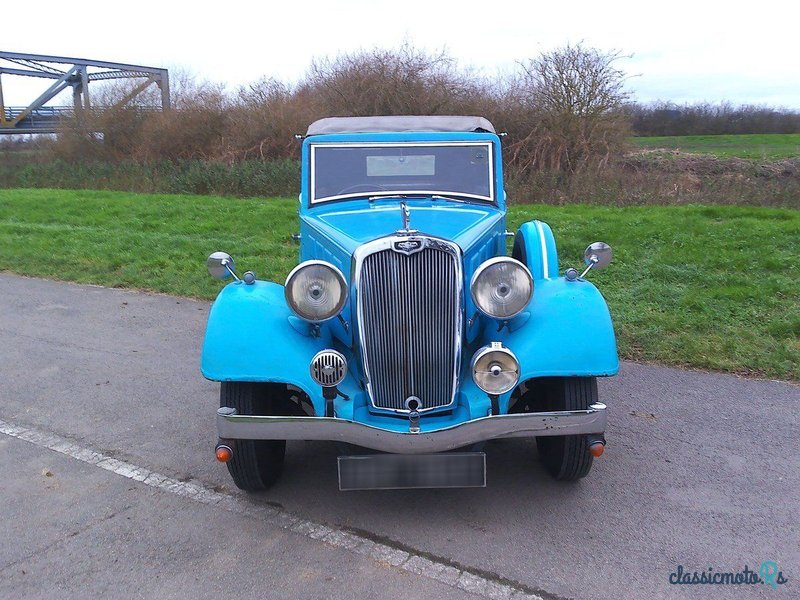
[
  {"x": 249, "y": 337},
  {"x": 535, "y": 246},
  {"x": 566, "y": 332}
]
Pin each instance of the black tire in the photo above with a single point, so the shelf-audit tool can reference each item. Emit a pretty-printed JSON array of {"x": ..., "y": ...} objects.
[
  {"x": 256, "y": 464},
  {"x": 567, "y": 457},
  {"x": 518, "y": 251}
]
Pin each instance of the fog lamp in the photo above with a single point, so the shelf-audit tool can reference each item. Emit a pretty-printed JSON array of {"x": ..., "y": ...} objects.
[{"x": 495, "y": 369}]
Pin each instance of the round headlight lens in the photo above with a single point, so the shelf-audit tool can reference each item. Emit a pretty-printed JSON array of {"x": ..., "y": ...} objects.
[
  {"x": 495, "y": 369},
  {"x": 316, "y": 291},
  {"x": 502, "y": 287}
]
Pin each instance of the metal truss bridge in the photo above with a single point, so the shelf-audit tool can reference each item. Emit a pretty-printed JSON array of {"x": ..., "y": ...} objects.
[{"x": 75, "y": 73}]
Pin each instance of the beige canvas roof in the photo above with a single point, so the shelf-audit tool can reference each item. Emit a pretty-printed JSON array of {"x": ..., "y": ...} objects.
[{"x": 407, "y": 123}]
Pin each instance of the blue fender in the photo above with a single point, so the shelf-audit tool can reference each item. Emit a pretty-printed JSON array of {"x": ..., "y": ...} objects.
[
  {"x": 536, "y": 247},
  {"x": 250, "y": 337},
  {"x": 566, "y": 331}
]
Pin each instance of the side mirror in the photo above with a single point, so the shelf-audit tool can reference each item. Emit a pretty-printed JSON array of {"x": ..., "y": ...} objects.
[
  {"x": 597, "y": 255},
  {"x": 221, "y": 266}
]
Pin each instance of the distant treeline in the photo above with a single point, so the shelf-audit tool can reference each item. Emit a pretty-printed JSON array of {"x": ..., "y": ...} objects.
[{"x": 666, "y": 118}]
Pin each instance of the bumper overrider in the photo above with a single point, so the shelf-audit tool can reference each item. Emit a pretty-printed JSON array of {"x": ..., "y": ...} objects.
[{"x": 232, "y": 426}]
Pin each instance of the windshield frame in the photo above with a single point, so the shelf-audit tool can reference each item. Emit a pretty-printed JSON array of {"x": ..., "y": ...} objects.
[{"x": 490, "y": 200}]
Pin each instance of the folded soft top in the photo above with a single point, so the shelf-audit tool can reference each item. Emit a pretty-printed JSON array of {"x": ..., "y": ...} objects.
[{"x": 399, "y": 124}]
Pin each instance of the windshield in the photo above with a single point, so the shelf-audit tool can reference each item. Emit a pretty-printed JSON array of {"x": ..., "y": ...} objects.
[{"x": 462, "y": 169}]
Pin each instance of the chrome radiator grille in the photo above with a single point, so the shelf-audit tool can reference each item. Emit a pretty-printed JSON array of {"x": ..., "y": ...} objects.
[{"x": 409, "y": 306}]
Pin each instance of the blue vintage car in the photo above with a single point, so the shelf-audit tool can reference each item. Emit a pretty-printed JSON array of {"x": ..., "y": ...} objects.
[{"x": 406, "y": 330}]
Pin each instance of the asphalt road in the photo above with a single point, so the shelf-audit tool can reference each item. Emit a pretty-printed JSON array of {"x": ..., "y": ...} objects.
[{"x": 701, "y": 471}]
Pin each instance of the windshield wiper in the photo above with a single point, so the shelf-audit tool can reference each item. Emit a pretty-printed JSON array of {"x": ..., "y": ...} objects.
[
  {"x": 420, "y": 195},
  {"x": 391, "y": 196}
]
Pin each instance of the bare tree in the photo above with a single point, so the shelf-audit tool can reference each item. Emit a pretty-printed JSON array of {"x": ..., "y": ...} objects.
[
  {"x": 390, "y": 82},
  {"x": 576, "y": 97}
]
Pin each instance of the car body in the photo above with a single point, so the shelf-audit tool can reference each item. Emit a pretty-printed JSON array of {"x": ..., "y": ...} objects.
[{"x": 406, "y": 329}]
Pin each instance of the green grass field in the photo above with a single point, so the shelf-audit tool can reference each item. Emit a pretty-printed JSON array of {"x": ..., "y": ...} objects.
[
  {"x": 756, "y": 146},
  {"x": 707, "y": 287}
]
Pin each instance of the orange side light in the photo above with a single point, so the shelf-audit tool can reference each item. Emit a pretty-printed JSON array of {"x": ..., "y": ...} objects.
[
  {"x": 224, "y": 453},
  {"x": 597, "y": 449}
]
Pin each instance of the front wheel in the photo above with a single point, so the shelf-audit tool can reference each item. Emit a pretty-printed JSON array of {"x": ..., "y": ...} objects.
[
  {"x": 567, "y": 457},
  {"x": 256, "y": 464}
]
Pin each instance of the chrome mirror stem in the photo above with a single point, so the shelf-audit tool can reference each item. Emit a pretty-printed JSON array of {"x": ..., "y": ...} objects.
[
  {"x": 593, "y": 260},
  {"x": 227, "y": 265}
]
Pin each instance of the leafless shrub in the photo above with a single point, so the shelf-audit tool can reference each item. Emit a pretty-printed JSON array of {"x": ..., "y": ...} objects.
[
  {"x": 264, "y": 117},
  {"x": 569, "y": 103},
  {"x": 638, "y": 179},
  {"x": 390, "y": 82},
  {"x": 195, "y": 127}
]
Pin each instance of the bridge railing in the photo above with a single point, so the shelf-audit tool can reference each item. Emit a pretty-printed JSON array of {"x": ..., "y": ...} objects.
[{"x": 47, "y": 119}]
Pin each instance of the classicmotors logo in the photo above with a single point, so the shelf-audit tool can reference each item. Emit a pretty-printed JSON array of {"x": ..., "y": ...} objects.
[{"x": 768, "y": 574}]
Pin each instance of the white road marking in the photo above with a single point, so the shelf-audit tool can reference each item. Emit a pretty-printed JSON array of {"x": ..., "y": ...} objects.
[{"x": 428, "y": 567}]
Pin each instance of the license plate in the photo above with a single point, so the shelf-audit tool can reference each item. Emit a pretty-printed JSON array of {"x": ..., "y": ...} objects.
[{"x": 404, "y": 471}]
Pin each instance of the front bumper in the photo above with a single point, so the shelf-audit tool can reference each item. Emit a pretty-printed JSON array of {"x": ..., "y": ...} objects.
[{"x": 231, "y": 426}]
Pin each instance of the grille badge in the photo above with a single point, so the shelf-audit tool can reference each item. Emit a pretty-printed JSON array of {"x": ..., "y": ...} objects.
[{"x": 408, "y": 246}]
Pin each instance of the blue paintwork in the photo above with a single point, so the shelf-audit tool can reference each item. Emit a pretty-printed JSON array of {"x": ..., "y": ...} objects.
[
  {"x": 566, "y": 330},
  {"x": 569, "y": 332},
  {"x": 250, "y": 338},
  {"x": 359, "y": 221}
]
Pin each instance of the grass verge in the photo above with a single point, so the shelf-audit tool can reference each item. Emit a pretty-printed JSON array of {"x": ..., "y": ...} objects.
[
  {"x": 769, "y": 146},
  {"x": 699, "y": 286}
]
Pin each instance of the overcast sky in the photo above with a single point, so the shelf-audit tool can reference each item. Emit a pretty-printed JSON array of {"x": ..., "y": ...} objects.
[{"x": 681, "y": 51}]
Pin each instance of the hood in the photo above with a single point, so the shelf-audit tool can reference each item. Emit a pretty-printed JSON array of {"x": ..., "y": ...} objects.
[{"x": 351, "y": 226}]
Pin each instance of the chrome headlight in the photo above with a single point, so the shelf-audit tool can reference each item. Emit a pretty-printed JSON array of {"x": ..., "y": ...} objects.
[
  {"x": 502, "y": 287},
  {"x": 316, "y": 291},
  {"x": 495, "y": 369}
]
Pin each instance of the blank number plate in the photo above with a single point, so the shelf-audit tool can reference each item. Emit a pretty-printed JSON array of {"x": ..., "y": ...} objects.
[{"x": 404, "y": 471}]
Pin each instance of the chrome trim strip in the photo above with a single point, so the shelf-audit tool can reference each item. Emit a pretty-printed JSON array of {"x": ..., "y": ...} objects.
[
  {"x": 568, "y": 422},
  {"x": 457, "y": 285},
  {"x": 545, "y": 260}
]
